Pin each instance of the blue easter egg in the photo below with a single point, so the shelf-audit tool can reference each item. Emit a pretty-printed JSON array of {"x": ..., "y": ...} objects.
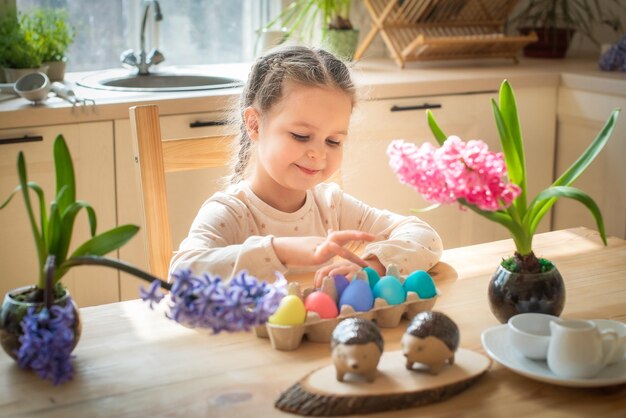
[
  {"x": 390, "y": 289},
  {"x": 372, "y": 276},
  {"x": 358, "y": 295},
  {"x": 341, "y": 282},
  {"x": 421, "y": 283}
]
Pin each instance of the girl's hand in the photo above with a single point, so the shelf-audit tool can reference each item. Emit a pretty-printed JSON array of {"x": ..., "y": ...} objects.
[
  {"x": 310, "y": 251},
  {"x": 345, "y": 268}
]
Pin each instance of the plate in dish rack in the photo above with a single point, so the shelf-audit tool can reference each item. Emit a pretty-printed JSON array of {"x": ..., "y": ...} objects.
[{"x": 495, "y": 341}]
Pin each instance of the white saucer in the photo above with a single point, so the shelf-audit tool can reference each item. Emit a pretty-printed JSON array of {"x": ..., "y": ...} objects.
[{"x": 496, "y": 343}]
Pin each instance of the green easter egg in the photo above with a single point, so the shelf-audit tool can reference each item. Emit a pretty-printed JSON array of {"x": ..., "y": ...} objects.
[
  {"x": 390, "y": 289},
  {"x": 372, "y": 276},
  {"x": 421, "y": 283}
]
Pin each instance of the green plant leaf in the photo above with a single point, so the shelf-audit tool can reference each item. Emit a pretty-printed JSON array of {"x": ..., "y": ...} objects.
[
  {"x": 68, "y": 219},
  {"x": 37, "y": 235},
  {"x": 592, "y": 151},
  {"x": 426, "y": 209},
  {"x": 434, "y": 128},
  {"x": 54, "y": 231},
  {"x": 510, "y": 118},
  {"x": 99, "y": 245},
  {"x": 64, "y": 172},
  {"x": 541, "y": 207},
  {"x": 107, "y": 241},
  {"x": 554, "y": 192}
]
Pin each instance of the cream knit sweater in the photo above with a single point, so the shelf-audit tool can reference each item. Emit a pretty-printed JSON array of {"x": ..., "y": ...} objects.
[{"x": 234, "y": 230}]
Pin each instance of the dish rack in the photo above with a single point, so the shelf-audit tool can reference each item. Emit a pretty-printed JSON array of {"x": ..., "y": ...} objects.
[{"x": 420, "y": 30}]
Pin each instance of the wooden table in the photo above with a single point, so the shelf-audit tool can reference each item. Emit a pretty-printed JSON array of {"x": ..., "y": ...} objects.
[{"x": 132, "y": 361}]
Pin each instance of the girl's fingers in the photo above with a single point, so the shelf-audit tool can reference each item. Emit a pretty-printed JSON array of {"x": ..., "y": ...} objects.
[
  {"x": 343, "y": 253},
  {"x": 343, "y": 237}
]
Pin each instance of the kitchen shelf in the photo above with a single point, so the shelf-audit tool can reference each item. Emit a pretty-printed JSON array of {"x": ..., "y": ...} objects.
[{"x": 420, "y": 30}]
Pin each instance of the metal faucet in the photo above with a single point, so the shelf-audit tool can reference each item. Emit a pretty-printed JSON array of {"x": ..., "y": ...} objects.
[{"x": 142, "y": 61}]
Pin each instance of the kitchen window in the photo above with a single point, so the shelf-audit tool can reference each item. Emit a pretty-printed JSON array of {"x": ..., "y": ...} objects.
[{"x": 191, "y": 32}]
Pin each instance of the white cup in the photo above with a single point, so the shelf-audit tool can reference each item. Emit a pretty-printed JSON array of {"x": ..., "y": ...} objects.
[
  {"x": 529, "y": 333},
  {"x": 578, "y": 349}
]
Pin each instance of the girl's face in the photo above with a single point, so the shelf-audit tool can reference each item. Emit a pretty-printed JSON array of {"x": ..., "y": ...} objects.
[{"x": 300, "y": 139}]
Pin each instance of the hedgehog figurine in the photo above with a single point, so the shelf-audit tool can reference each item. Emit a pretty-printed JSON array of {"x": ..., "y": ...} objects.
[
  {"x": 431, "y": 339},
  {"x": 356, "y": 347}
]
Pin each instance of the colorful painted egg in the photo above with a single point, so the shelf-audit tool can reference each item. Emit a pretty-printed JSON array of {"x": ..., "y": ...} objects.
[
  {"x": 421, "y": 283},
  {"x": 390, "y": 289},
  {"x": 290, "y": 311},
  {"x": 322, "y": 304},
  {"x": 358, "y": 295},
  {"x": 341, "y": 282},
  {"x": 372, "y": 276}
]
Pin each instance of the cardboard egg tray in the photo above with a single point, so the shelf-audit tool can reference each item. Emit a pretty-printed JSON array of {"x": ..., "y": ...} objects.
[{"x": 289, "y": 337}]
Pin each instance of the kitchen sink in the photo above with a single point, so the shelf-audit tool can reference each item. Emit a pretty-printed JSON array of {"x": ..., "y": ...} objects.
[{"x": 121, "y": 80}]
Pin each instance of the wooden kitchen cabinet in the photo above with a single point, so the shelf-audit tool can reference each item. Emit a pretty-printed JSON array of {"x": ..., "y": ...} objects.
[
  {"x": 91, "y": 146},
  {"x": 581, "y": 115},
  {"x": 367, "y": 176},
  {"x": 187, "y": 190}
]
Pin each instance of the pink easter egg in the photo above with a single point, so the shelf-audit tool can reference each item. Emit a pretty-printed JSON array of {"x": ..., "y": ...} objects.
[{"x": 322, "y": 304}]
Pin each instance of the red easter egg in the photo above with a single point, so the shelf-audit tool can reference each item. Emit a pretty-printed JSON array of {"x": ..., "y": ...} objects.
[{"x": 322, "y": 304}]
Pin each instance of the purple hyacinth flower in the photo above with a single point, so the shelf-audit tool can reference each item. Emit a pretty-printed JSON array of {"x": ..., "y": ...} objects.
[
  {"x": 238, "y": 305},
  {"x": 47, "y": 342},
  {"x": 152, "y": 295}
]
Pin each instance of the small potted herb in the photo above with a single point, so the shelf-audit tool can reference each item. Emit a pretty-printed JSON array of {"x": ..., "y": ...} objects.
[
  {"x": 19, "y": 53},
  {"x": 54, "y": 35},
  {"x": 336, "y": 34},
  {"x": 556, "y": 21}
]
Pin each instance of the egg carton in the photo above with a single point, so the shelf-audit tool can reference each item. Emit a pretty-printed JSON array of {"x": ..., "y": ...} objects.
[{"x": 316, "y": 329}]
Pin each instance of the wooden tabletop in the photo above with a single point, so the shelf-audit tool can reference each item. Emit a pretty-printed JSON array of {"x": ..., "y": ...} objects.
[{"x": 132, "y": 361}]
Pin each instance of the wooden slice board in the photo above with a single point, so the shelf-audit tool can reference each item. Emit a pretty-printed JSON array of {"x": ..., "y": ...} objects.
[{"x": 395, "y": 387}]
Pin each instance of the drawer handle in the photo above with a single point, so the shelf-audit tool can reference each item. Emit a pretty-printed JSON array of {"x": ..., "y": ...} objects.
[
  {"x": 424, "y": 106},
  {"x": 200, "y": 124},
  {"x": 25, "y": 138}
]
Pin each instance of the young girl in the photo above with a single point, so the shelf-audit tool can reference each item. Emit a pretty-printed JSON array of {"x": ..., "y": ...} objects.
[{"x": 278, "y": 214}]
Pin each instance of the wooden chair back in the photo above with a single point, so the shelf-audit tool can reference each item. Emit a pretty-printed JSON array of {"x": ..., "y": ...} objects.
[{"x": 155, "y": 157}]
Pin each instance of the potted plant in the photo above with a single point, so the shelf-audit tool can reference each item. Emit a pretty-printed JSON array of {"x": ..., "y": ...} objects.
[
  {"x": 556, "y": 21},
  {"x": 40, "y": 324},
  {"x": 336, "y": 34},
  {"x": 54, "y": 36},
  {"x": 19, "y": 54},
  {"x": 494, "y": 186}
]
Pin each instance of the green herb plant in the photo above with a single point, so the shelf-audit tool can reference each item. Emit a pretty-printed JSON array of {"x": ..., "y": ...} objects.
[
  {"x": 580, "y": 15},
  {"x": 301, "y": 17},
  {"x": 52, "y": 228},
  {"x": 54, "y": 33},
  {"x": 522, "y": 218},
  {"x": 18, "y": 43}
]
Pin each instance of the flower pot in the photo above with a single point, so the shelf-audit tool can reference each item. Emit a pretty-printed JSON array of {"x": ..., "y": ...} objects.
[
  {"x": 514, "y": 293},
  {"x": 11, "y": 75},
  {"x": 56, "y": 69},
  {"x": 552, "y": 42},
  {"x": 341, "y": 42},
  {"x": 13, "y": 310}
]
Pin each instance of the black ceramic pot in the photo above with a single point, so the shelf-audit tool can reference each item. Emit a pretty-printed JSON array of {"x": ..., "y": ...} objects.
[
  {"x": 514, "y": 293},
  {"x": 12, "y": 312}
]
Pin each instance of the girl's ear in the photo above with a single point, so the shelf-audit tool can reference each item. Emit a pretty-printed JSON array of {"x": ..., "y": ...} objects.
[{"x": 251, "y": 119}]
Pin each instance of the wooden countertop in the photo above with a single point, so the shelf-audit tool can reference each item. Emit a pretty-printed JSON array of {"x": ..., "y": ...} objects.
[
  {"x": 132, "y": 361},
  {"x": 375, "y": 78}
]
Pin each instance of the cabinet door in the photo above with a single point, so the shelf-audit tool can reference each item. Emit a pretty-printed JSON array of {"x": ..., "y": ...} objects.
[
  {"x": 186, "y": 190},
  {"x": 367, "y": 176},
  {"x": 581, "y": 115},
  {"x": 91, "y": 146}
]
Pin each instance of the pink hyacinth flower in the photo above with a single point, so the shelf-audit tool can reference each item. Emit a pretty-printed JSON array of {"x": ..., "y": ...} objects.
[{"x": 456, "y": 170}]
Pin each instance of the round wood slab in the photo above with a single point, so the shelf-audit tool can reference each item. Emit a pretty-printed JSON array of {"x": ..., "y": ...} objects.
[{"x": 395, "y": 387}]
